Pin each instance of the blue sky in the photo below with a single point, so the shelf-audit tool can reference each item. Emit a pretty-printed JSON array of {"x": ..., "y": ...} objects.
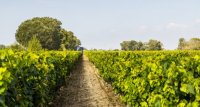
[{"x": 104, "y": 24}]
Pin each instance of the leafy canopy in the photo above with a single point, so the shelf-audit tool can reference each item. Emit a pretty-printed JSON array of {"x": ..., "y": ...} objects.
[{"x": 49, "y": 33}]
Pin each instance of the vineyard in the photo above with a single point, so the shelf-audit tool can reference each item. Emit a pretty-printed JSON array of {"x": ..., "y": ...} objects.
[
  {"x": 32, "y": 78},
  {"x": 86, "y": 53},
  {"x": 140, "y": 78},
  {"x": 152, "y": 78}
]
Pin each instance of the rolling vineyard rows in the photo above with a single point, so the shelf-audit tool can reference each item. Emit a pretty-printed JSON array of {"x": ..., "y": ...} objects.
[
  {"x": 152, "y": 78},
  {"x": 31, "y": 78}
]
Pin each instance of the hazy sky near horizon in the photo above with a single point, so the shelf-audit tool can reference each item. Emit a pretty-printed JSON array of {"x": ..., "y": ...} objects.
[{"x": 104, "y": 24}]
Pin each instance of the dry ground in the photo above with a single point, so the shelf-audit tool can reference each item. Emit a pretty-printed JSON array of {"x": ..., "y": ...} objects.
[{"x": 85, "y": 88}]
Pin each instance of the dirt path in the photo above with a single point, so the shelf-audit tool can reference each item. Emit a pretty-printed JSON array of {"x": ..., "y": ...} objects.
[{"x": 85, "y": 89}]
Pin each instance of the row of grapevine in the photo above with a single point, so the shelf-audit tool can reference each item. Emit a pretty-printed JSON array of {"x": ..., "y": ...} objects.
[
  {"x": 31, "y": 78},
  {"x": 152, "y": 78}
]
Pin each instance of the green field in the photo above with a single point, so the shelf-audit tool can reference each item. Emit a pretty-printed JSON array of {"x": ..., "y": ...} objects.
[{"x": 141, "y": 78}]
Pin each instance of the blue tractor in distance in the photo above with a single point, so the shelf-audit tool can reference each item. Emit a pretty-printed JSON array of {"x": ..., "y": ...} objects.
[{"x": 79, "y": 48}]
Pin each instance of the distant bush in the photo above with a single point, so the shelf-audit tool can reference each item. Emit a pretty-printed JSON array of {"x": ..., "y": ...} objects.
[{"x": 34, "y": 44}]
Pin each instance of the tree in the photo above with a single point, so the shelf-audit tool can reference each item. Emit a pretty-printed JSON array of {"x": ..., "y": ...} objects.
[
  {"x": 46, "y": 29},
  {"x": 133, "y": 45},
  {"x": 129, "y": 45},
  {"x": 154, "y": 45},
  {"x": 2, "y": 46},
  {"x": 34, "y": 44},
  {"x": 124, "y": 45},
  {"x": 192, "y": 44},
  {"x": 182, "y": 44},
  {"x": 141, "y": 46}
]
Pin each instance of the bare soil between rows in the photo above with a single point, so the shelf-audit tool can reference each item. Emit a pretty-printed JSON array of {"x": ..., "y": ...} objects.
[{"x": 85, "y": 88}]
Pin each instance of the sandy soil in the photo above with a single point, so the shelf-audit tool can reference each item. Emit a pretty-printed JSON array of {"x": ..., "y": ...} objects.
[{"x": 85, "y": 88}]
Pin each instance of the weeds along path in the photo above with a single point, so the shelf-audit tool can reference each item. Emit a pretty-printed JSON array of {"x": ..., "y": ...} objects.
[{"x": 85, "y": 88}]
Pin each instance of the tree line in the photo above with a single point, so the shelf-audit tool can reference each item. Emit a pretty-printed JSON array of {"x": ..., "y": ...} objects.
[
  {"x": 192, "y": 44},
  {"x": 138, "y": 45}
]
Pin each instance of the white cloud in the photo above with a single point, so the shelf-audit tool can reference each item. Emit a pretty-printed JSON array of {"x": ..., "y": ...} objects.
[{"x": 176, "y": 26}]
